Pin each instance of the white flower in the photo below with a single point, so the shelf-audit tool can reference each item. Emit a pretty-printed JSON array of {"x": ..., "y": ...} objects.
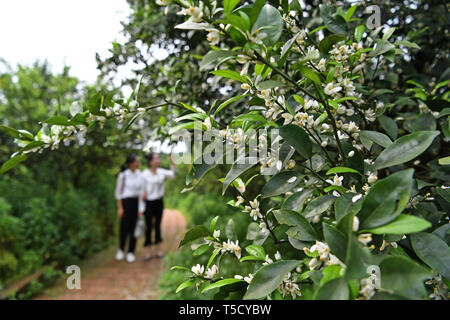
[
  {"x": 351, "y": 153},
  {"x": 292, "y": 180},
  {"x": 321, "y": 64},
  {"x": 322, "y": 248},
  {"x": 195, "y": 13},
  {"x": 355, "y": 223},
  {"x": 245, "y": 86},
  {"x": 365, "y": 238},
  {"x": 291, "y": 164},
  {"x": 198, "y": 270},
  {"x": 277, "y": 256},
  {"x": 213, "y": 36},
  {"x": 372, "y": 178},
  {"x": 240, "y": 186},
  {"x": 263, "y": 227},
  {"x": 207, "y": 123},
  {"x": 163, "y": 2},
  {"x": 45, "y": 138},
  {"x": 232, "y": 247},
  {"x": 324, "y": 143},
  {"x": 331, "y": 90},
  {"x": 356, "y": 198},
  {"x": 211, "y": 272},
  {"x": 56, "y": 130},
  {"x": 311, "y": 103},
  {"x": 249, "y": 278},
  {"x": 216, "y": 234},
  {"x": 254, "y": 204},
  {"x": 239, "y": 201},
  {"x": 268, "y": 260},
  {"x": 337, "y": 180},
  {"x": 255, "y": 214},
  {"x": 313, "y": 264},
  {"x": 141, "y": 110},
  {"x": 287, "y": 118}
]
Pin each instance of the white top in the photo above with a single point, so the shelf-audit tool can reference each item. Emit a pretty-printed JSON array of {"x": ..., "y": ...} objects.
[
  {"x": 130, "y": 184},
  {"x": 154, "y": 183}
]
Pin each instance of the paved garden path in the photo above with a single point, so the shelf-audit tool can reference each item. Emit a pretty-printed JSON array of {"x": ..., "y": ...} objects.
[{"x": 103, "y": 278}]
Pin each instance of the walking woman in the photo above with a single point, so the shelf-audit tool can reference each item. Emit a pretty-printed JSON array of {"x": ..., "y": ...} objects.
[
  {"x": 128, "y": 193},
  {"x": 154, "y": 178}
]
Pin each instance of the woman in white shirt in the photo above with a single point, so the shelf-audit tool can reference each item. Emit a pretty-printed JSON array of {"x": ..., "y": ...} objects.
[
  {"x": 128, "y": 193},
  {"x": 154, "y": 178}
]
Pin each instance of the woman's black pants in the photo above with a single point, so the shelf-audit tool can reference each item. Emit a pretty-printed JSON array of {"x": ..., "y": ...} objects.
[
  {"x": 128, "y": 223},
  {"x": 153, "y": 209}
]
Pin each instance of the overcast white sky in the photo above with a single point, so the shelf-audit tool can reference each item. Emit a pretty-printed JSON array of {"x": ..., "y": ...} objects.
[{"x": 65, "y": 32}]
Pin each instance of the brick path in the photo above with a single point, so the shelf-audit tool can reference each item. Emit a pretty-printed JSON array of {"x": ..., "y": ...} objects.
[{"x": 103, "y": 278}]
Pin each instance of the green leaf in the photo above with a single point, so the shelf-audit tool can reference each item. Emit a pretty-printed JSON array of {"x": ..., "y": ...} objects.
[
  {"x": 344, "y": 206},
  {"x": 403, "y": 224},
  {"x": 350, "y": 12},
  {"x": 58, "y": 120},
  {"x": 279, "y": 184},
  {"x": 342, "y": 170},
  {"x": 297, "y": 138},
  {"x": 318, "y": 205},
  {"x": 329, "y": 273},
  {"x": 193, "y": 234},
  {"x": 405, "y": 148},
  {"x": 269, "y": 84},
  {"x": 180, "y": 268},
  {"x": 382, "y": 46},
  {"x": 368, "y": 137},
  {"x": 252, "y": 117},
  {"x": 388, "y": 33},
  {"x": 230, "y": 75},
  {"x": 335, "y": 24},
  {"x": 18, "y": 134},
  {"x": 404, "y": 277},
  {"x": 200, "y": 250},
  {"x": 336, "y": 239},
  {"x": 302, "y": 229},
  {"x": 389, "y": 125},
  {"x": 251, "y": 258},
  {"x": 229, "y": 230},
  {"x": 237, "y": 169},
  {"x": 231, "y": 100},
  {"x": 444, "y": 161},
  {"x": 408, "y": 44},
  {"x": 357, "y": 259},
  {"x": 268, "y": 278},
  {"x": 295, "y": 201},
  {"x": 11, "y": 163},
  {"x": 336, "y": 289},
  {"x": 221, "y": 283},
  {"x": 198, "y": 171},
  {"x": 433, "y": 251},
  {"x": 327, "y": 42},
  {"x": 229, "y": 5},
  {"x": 386, "y": 199},
  {"x": 310, "y": 74},
  {"x": 256, "y": 251},
  {"x": 185, "y": 285},
  {"x": 213, "y": 256},
  {"x": 271, "y": 23},
  {"x": 359, "y": 32},
  {"x": 212, "y": 225},
  {"x": 212, "y": 58}
]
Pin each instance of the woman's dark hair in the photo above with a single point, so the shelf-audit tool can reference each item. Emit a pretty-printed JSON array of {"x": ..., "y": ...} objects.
[
  {"x": 150, "y": 156},
  {"x": 130, "y": 159}
]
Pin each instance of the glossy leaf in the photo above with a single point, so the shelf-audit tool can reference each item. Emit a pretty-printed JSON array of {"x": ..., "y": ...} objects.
[
  {"x": 268, "y": 278},
  {"x": 405, "y": 148}
]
